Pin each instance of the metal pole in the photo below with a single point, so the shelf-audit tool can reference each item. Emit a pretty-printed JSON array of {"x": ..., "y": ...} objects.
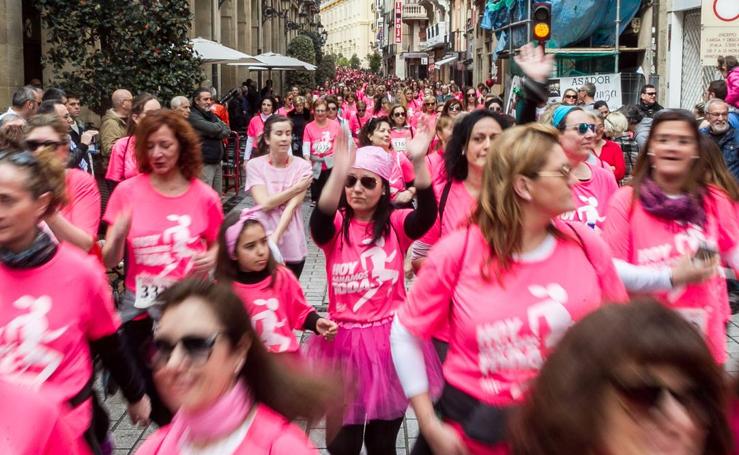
[
  {"x": 618, "y": 35},
  {"x": 528, "y": 22}
]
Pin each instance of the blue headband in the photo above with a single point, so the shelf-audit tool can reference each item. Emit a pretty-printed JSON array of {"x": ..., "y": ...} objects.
[{"x": 560, "y": 113}]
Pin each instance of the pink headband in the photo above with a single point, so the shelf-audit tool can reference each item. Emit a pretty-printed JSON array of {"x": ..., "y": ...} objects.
[
  {"x": 232, "y": 233},
  {"x": 374, "y": 159}
]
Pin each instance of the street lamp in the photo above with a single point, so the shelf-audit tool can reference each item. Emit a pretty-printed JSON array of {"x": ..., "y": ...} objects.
[{"x": 269, "y": 12}]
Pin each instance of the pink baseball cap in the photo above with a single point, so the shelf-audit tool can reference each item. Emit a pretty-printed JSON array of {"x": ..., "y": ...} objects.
[{"x": 374, "y": 159}]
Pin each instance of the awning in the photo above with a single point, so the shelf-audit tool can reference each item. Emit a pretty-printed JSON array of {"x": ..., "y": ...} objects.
[
  {"x": 272, "y": 61},
  {"x": 212, "y": 52},
  {"x": 410, "y": 55},
  {"x": 446, "y": 60}
]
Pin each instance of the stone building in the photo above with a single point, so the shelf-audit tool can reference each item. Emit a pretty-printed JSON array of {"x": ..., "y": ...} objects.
[{"x": 349, "y": 26}]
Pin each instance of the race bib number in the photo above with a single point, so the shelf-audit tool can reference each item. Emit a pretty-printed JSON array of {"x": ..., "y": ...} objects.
[
  {"x": 399, "y": 144},
  {"x": 697, "y": 317},
  {"x": 148, "y": 289}
]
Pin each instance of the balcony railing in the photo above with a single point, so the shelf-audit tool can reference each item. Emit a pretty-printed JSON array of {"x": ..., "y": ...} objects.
[
  {"x": 414, "y": 12},
  {"x": 435, "y": 35}
]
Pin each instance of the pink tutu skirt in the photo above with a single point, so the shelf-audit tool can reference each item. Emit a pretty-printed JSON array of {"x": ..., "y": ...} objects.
[{"x": 361, "y": 353}]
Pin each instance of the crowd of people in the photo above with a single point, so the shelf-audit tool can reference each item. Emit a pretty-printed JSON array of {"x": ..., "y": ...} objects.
[{"x": 554, "y": 281}]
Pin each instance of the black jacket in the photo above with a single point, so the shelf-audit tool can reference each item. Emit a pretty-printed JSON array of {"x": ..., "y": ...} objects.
[
  {"x": 212, "y": 132},
  {"x": 648, "y": 110}
]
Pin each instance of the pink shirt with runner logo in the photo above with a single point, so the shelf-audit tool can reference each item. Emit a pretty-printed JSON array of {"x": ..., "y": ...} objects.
[
  {"x": 365, "y": 278},
  {"x": 591, "y": 198},
  {"x": 269, "y": 434},
  {"x": 400, "y": 137},
  {"x": 48, "y": 314},
  {"x": 166, "y": 231},
  {"x": 640, "y": 238},
  {"x": 259, "y": 171},
  {"x": 122, "y": 163},
  {"x": 275, "y": 311},
  {"x": 500, "y": 336},
  {"x": 83, "y": 201},
  {"x": 321, "y": 138}
]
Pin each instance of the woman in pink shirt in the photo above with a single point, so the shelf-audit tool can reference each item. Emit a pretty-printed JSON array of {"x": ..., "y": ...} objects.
[
  {"x": 55, "y": 302},
  {"x": 435, "y": 156},
  {"x": 278, "y": 181},
  {"x": 675, "y": 225},
  {"x": 271, "y": 293},
  {"x": 400, "y": 132},
  {"x": 471, "y": 101},
  {"x": 318, "y": 145},
  {"x": 166, "y": 220},
  {"x": 122, "y": 164},
  {"x": 365, "y": 240},
  {"x": 232, "y": 397},
  {"x": 76, "y": 222},
  {"x": 349, "y": 108},
  {"x": 359, "y": 119},
  {"x": 256, "y": 124},
  {"x": 509, "y": 285},
  {"x": 630, "y": 379},
  {"x": 595, "y": 185}
]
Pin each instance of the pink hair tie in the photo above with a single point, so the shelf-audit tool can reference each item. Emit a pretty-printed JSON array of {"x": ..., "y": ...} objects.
[{"x": 232, "y": 233}]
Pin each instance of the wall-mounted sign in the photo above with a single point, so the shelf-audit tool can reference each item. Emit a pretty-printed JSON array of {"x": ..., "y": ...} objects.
[{"x": 398, "y": 21}]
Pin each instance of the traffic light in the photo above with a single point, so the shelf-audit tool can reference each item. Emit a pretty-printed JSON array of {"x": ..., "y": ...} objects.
[{"x": 542, "y": 21}]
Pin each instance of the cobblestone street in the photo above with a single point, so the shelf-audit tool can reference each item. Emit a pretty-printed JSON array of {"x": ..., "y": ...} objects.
[{"x": 313, "y": 280}]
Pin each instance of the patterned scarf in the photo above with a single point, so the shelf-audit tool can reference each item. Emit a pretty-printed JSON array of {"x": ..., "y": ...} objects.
[
  {"x": 40, "y": 252},
  {"x": 686, "y": 208}
]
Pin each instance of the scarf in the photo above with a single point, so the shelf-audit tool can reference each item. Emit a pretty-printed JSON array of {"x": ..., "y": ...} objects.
[
  {"x": 219, "y": 420},
  {"x": 686, "y": 208},
  {"x": 39, "y": 253}
]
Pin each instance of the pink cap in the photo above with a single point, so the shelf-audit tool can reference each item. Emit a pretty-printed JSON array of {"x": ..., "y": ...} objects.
[{"x": 374, "y": 159}]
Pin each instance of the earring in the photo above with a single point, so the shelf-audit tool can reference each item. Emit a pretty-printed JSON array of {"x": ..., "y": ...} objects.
[{"x": 238, "y": 368}]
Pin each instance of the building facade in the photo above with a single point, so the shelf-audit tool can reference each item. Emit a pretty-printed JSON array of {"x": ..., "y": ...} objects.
[{"x": 350, "y": 27}]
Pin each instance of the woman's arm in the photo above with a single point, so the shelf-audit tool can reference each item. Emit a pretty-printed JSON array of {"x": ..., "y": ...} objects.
[
  {"x": 115, "y": 239},
  {"x": 287, "y": 216},
  {"x": 67, "y": 232},
  {"x": 270, "y": 201}
]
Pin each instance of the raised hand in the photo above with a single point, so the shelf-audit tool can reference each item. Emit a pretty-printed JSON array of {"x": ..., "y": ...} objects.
[
  {"x": 534, "y": 62},
  {"x": 419, "y": 145},
  {"x": 344, "y": 153}
]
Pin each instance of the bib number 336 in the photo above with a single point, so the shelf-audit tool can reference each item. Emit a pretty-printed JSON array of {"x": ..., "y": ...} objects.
[{"x": 148, "y": 289}]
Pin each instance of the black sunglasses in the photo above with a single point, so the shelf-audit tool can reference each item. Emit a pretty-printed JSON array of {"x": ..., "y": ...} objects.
[
  {"x": 454, "y": 108},
  {"x": 368, "y": 182},
  {"x": 571, "y": 96},
  {"x": 23, "y": 158},
  {"x": 647, "y": 396},
  {"x": 197, "y": 349},
  {"x": 35, "y": 145},
  {"x": 399, "y": 114}
]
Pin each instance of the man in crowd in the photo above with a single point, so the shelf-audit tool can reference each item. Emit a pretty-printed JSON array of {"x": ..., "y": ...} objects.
[
  {"x": 212, "y": 132},
  {"x": 113, "y": 125},
  {"x": 181, "y": 105},
  {"x": 74, "y": 106},
  {"x": 586, "y": 95},
  {"x": 717, "y": 89},
  {"x": 722, "y": 133},
  {"x": 601, "y": 108},
  {"x": 25, "y": 103},
  {"x": 648, "y": 101},
  {"x": 445, "y": 95}
]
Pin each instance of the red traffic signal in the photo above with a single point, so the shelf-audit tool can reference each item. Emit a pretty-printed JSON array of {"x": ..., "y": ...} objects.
[{"x": 541, "y": 15}]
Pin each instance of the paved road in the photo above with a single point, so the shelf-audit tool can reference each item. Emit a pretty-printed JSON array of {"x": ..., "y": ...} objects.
[{"x": 313, "y": 280}]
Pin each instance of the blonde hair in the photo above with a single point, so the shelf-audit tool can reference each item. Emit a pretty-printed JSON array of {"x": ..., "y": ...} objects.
[
  {"x": 442, "y": 122},
  {"x": 615, "y": 124},
  {"x": 546, "y": 116},
  {"x": 521, "y": 150}
]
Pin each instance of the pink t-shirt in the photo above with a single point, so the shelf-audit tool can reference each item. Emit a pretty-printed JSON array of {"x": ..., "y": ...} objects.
[
  {"x": 321, "y": 139},
  {"x": 435, "y": 162},
  {"x": 259, "y": 171},
  {"x": 348, "y": 110},
  {"x": 269, "y": 434},
  {"x": 256, "y": 126},
  {"x": 399, "y": 138},
  {"x": 639, "y": 238},
  {"x": 166, "y": 232},
  {"x": 400, "y": 172},
  {"x": 122, "y": 163},
  {"x": 275, "y": 311},
  {"x": 366, "y": 281},
  {"x": 83, "y": 201},
  {"x": 357, "y": 122},
  {"x": 501, "y": 335},
  {"x": 34, "y": 426},
  {"x": 48, "y": 315},
  {"x": 591, "y": 198},
  {"x": 416, "y": 118}
]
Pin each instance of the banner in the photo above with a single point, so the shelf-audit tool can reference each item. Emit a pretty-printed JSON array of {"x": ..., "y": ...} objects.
[
  {"x": 607, "y": 88},
  {"x": 398, "y": 21},
  {"x": 719, "y": 30}
]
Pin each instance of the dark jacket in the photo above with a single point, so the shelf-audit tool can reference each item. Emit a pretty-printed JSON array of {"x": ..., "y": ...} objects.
[
  {"x": 648, "y": 110},
  {"x": 729, "y": 145},
  {"x": 211, "y": 131}
]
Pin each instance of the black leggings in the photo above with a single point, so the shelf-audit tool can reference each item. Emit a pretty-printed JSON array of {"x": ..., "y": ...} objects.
[
  {"x": 318, "y": 184},
  {"x": 295, "y": 267},
  {"x": 379, "y": 438},
  {"x": 139, "y": 336}
]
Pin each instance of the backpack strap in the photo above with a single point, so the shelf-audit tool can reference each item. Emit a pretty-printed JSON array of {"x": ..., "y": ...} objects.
[{"x": 443, "y": 199}]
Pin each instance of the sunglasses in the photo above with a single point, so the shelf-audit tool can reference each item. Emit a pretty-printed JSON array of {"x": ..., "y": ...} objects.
[
  {"x": 571, "y": 97},
  {"x": 648, "y": 396},
  {"x": 582, "y": 128},
  {"x": 368, "y": 182},
  {"x": 563, "y": 172},
  {"x": 19, "y": 158},
  {"x": 455, "y": 108},
  {"x": 196, "y": 348},
  {"x": 430, "y": 104},
  {"x": 471, "y": 94},
  {"x": 35, "y": 145},
  {"x": 399, "y": 114},
  {"x": 650, "y": 93},
  {"x": 333, "y": 108},
  {"x": 495, "y": 108}
]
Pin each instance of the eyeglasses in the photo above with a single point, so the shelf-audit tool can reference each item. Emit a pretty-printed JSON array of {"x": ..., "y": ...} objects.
[
  {"x": 650, "y": 93},
  {"x": 471, "y": 94},
  {"x": 571, "y": 97},
  {"x": 582, "y": 128},
  {"x": 399, "y": 114},
  {"x": 495, "y": 108},
  {"x": 649, "y": 395},
  {"x": 718, "y": 114},
  {"x": 197, "y": 349},
  {"x": 23, "y": 158},
  {"x": 35, "y": 145},
  {"x": 368, "y": 182},
  {"x": 429, "y": 104},
  {"x": 565, "y": 171},
  {"x": 455, "y": 108},
  {"x": 361, "y": 110}
]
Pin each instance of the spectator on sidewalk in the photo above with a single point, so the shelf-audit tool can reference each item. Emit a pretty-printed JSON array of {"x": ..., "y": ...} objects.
[
  {"x": 181, "y": 104},
  {"x": 212, "y": 132},
  {"x": 113, "y": 125},
  {"x": 25, "y": 103},
  {"x": 722, "y": 133},
  {"x": 586, "y": 96},
  {"x": 648, "y": 105}
]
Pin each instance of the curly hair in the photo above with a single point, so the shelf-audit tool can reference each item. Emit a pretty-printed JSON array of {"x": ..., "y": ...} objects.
[{"x": 190, "y": 161}]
